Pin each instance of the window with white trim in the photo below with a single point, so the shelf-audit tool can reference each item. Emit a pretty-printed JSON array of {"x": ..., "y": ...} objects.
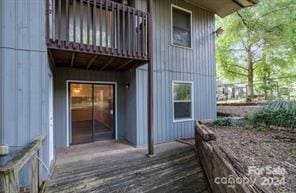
[
  {"x": 181, "y": 26},
  {"x": 182, "y": 100}
]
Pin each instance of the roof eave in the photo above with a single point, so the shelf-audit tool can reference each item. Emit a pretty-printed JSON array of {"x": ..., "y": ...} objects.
[{"x": 223, "y": 9}]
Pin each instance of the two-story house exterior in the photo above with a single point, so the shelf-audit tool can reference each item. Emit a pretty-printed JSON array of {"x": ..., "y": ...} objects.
[{"x": 79, "y": 71}]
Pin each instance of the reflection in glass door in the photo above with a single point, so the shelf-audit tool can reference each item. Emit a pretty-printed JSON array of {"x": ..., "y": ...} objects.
[
  {"x": 103, "y": 111},
  {"x": 91, "y": 112}
]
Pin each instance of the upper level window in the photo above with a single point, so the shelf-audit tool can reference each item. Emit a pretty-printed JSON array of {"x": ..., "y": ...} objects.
[
  {"x": 181, "y": 26},
  {"x": 182, "y": 100}
]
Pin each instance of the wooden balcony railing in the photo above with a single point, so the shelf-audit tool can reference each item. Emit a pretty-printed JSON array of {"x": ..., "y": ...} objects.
[{"x": 98, "y": 27}]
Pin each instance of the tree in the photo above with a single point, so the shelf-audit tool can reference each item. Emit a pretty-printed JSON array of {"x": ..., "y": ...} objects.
[{"x": 259, "y": 43}]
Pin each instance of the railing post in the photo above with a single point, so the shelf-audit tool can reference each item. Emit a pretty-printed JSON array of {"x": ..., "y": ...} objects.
[
  {"x": 128, "y": 43},
  {"x": 59, "y": 21},
  {"x": 101, "y": 26},
  {"x": 143, "y": 34},
  {"x": 11, "y": 182},
  {"x": 81, "y": 24},
  {"x": 53, "y": 14},
  {"x": 39, "y": 169},
  {"x": 74, "y": 25},
  {"x": 133, "y": 32},
  {"x": 47, "y": 12},
  {"x": 118, "y": 29},
  {"x": 88, "y": 25},
  {"x": 123, "y": 45},
  {"x": 34, "y": 175},
  {"x": 94, "y": 31},
  {"x": 67, "y": 23},
  {"x": 113, "y": 23},
  {"x": 138, "y": 32},
  {"x": 106, "y": 26}
]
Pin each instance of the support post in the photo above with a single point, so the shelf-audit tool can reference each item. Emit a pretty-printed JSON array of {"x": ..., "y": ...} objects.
[{"x": 150, "y": 80}]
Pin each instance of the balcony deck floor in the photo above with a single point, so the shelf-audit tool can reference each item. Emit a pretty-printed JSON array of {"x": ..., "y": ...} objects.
[
  {"x": 92, "y": 61},
  {"x": 116, "y": 167}
]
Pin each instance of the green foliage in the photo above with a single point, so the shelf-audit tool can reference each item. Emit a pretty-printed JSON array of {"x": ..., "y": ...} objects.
[
  {"x": 182, "y": 91},
  {"x": 223, "y": 122},
  {"x": 283, "y": 116},
  {"x": 261, "y": 127},
  {"x": 292, "y": 153},
  {"x": 264, "y": 33}
]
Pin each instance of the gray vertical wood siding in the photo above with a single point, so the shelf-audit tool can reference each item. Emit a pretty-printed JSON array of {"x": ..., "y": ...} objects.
[
  {"x": 131, "y": 115},
  {"x": 23, "y": 73},
  {"x": 175, "y": 63}
]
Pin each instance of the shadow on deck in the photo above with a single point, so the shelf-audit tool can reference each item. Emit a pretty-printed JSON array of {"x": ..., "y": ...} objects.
[{"x": 116, "y": 167}]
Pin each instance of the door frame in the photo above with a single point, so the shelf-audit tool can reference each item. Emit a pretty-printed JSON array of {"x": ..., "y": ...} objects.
[
  {"x": 68, "y": 104},
  {"x": 50, "y": 117}
]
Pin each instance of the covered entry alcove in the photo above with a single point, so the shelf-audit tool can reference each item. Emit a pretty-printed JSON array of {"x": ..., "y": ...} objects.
[
  {"x": 93, "y": 106},
  {"x": 95, "y": 45}
]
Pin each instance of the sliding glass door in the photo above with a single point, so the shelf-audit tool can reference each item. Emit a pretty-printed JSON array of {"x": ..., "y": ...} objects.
[
  {"x": 103, "y": 111},
  {"x": 91, "y": 112}
]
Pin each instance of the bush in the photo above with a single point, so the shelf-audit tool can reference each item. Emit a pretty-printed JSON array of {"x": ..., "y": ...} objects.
[
  {"x": 261, "y": 127},
  {"x": 277, "y": 115},
  {"x": 223, "y": 122}
]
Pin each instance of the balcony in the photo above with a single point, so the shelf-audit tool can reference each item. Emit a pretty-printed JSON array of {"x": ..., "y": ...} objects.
[{"x": 96, "y": 34}]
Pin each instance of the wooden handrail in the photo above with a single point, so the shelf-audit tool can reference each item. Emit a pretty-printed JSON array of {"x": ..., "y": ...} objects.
[{"x": 10, "y": 171}]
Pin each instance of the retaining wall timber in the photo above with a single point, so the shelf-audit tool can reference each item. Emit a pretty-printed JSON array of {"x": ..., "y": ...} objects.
[{"x": 223, "y": 169}]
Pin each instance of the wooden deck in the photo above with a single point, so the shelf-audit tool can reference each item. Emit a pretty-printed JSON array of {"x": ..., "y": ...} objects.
[{"x": 175, "y": 168}]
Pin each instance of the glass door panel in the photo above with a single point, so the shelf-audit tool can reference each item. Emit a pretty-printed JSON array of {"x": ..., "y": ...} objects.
[
  {"x": 81, "y": 104},
  {"x": 103, "y": 112}
]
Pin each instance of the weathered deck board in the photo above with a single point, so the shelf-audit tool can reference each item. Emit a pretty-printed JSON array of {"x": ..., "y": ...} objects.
[{"x": 175, "y": 168}]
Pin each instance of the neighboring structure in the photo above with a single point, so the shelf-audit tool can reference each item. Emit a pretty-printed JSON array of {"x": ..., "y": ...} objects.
[
  {"x": 226, "y": 92},
  {"x": 60, "y": 79},
  {"x": 238, "y": 92}
]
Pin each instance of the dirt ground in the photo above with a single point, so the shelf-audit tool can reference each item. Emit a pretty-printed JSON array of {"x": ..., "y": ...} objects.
[
  {"x": 240, "y": 111},
  {"x": 274, "y": 148}
]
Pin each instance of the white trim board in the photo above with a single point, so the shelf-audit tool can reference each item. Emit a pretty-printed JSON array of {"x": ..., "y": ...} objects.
[
  {"x": 50, "y": 117},
  {"x": 67, "y": 104}
]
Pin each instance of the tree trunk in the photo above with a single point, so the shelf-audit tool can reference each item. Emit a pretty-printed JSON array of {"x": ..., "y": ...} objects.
[
  {"x": 265, "y": 87},
  {"x": 250, "y": 75}
]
